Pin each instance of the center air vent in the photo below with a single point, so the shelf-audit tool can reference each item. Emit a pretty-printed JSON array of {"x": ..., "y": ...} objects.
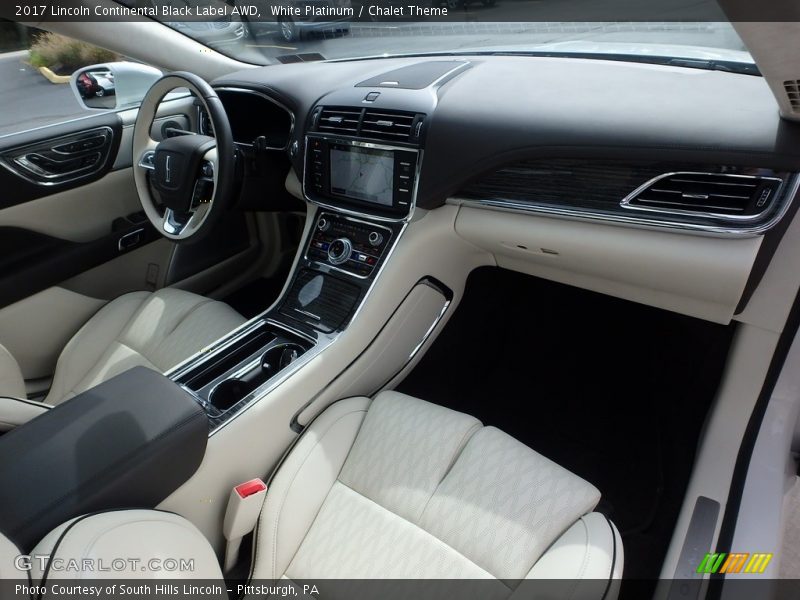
[
  {"x": 392, "y": 125},
  {"x": 371, "y": 123},
  {"x": 336, "y": 119},
  {"x": 706, "y": 193}
]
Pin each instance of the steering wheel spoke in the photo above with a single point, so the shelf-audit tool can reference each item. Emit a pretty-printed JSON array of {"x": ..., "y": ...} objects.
[
  {"x": 147, "y": 158},
  {"x": 173, "y": 224}
]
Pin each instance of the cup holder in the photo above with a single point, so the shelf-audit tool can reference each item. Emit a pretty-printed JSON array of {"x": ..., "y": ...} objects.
[{"x": 231, "y": 391}]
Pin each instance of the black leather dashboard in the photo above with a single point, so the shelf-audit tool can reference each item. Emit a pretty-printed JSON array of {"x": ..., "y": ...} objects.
[{"x": 504, "y": 109}]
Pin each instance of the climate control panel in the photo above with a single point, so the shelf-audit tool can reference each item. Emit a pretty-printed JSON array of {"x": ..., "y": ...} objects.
[{"x": 348, "y": 244}]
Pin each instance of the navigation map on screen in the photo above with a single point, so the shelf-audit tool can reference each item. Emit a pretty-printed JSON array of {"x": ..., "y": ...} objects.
[{"x": 363, "y": 174}]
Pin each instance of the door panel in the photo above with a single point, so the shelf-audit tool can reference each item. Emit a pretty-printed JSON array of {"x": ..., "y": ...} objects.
[
  {"x": 73, "y": 237},
  {"x": 79, "y": 215},
  {"x": 51, "y": 159},
  {"x": 70, "y": 243}
]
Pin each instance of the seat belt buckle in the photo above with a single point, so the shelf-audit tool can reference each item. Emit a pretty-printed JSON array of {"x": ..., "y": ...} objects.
[{"x": 244, "y": 506}]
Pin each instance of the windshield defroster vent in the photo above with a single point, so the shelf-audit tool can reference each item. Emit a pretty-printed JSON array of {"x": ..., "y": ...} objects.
[
  {"x": 716, "y": 194},
  {"x": 370, "y": 123}
]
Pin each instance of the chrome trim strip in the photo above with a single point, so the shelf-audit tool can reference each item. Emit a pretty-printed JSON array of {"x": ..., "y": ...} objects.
[
  {"x": 428, "y": 333},
  {"x": 633, "y": 220},
  {"x": 133, "y": 233},
  {"x": 357, "y": 142},
  {"x": 626, "y": 202},
  {"x": 277, "y": 103},
  {"x": 148, "y": 160}
]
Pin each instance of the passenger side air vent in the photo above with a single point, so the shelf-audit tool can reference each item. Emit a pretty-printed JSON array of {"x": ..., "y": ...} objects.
[
  {"x": 706, "y": 193},
  {"x": 337, "y": 119},
  {"x": 370, "y": 123},
  {"x": 393, "y": 126},
  {"x": 792, "y": 87}
]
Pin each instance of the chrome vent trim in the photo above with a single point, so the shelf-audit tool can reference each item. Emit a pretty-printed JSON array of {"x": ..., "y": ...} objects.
[
  {"x": 387, "y": 125},
  {"x": 713, "y": 195},
  {"x": 339, "y": 119}
]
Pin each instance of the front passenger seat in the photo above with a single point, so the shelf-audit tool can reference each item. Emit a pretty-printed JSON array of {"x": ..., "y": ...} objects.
[
  {"x": 157, "y": 330},
  {"x": 399, "y": 488},
  {"x": 395, "y": 488}
]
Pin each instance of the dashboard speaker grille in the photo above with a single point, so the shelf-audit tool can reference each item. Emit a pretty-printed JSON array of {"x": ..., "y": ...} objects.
[{"x": 707, "y": 193}]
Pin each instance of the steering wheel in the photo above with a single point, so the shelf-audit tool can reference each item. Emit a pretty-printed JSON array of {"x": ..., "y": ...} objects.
[{"x": 192, "y": 175}]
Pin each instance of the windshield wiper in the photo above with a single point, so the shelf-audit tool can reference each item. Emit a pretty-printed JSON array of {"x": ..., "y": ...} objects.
[
  {"x": 729, "y": 66},
  {"x": 716, "y": 65}
]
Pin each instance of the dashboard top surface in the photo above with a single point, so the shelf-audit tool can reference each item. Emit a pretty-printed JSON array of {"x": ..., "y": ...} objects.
[{"x": 501, "y": 109}]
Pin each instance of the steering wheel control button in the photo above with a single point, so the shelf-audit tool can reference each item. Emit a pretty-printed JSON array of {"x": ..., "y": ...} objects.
[
  {"x": 339, "y": 251},
  {"x": 203, "y": 192}
]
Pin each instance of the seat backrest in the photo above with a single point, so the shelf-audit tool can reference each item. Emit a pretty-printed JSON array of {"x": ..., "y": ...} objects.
[
  {"x": 8, "y": 560},
  {"x": 405, "y": 489},
  {"x": 11, "y": 382}
]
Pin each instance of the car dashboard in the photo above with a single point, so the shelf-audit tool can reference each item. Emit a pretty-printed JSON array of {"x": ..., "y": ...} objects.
[{"x": 638, "y": 144}]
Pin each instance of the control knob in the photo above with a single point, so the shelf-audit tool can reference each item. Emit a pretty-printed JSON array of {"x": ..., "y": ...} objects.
[
  {"x": 375, "y": 238},
  {"x": 323, "y": 224},
  {"x": 339, "y": 251}
]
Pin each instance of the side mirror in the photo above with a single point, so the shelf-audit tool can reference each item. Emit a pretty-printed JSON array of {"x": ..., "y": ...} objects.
[{"x": 113, "y": 85}]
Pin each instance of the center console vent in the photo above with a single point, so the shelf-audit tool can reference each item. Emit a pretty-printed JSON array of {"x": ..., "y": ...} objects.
[
  {"x": 707, "y": 193},
  {"x": 370, "y": 123}
]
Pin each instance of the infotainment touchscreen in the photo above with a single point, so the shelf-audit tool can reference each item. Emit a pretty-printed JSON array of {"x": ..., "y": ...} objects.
[{"x": 365, "y": 174}]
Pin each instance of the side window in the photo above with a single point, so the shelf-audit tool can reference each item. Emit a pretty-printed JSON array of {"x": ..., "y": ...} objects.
[{"x": 35, "y": 69}]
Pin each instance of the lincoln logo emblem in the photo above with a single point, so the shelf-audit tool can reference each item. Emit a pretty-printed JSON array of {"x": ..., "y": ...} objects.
[{"x": 169, "y": 170}]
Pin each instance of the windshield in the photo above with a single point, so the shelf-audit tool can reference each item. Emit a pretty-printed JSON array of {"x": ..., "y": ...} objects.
[{"x": 269, "y": 31}]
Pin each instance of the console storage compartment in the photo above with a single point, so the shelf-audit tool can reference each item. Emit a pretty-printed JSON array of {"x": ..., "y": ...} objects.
[{"x": 129, "y": 442}]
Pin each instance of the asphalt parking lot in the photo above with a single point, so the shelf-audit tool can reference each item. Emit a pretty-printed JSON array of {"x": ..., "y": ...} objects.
[{"x": 28, "y": 100}]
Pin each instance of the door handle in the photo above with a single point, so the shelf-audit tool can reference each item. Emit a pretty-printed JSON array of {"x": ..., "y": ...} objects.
[
  {"x": 130, "y": 240},
  {"x": 67, "y": 158}
]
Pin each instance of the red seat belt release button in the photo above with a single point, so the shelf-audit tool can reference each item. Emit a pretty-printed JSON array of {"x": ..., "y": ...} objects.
[
  {"x": 248, "y": 488},
  {"x": 244, "y": 507}
]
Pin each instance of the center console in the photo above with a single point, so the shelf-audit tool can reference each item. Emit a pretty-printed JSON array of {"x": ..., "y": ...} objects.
[{"x": 365, "y": 191}]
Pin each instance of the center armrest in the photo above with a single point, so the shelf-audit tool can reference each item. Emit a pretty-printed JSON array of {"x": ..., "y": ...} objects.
[{"x": 129, "y": 442}]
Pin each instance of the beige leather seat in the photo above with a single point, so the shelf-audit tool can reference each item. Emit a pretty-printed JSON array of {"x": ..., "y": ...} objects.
[
  {"x": 398, "y": 488},
  {"x": 152, "y": 329}
]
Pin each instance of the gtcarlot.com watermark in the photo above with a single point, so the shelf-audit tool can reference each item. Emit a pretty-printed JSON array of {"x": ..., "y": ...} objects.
[{"x": 54, "y": 566}]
